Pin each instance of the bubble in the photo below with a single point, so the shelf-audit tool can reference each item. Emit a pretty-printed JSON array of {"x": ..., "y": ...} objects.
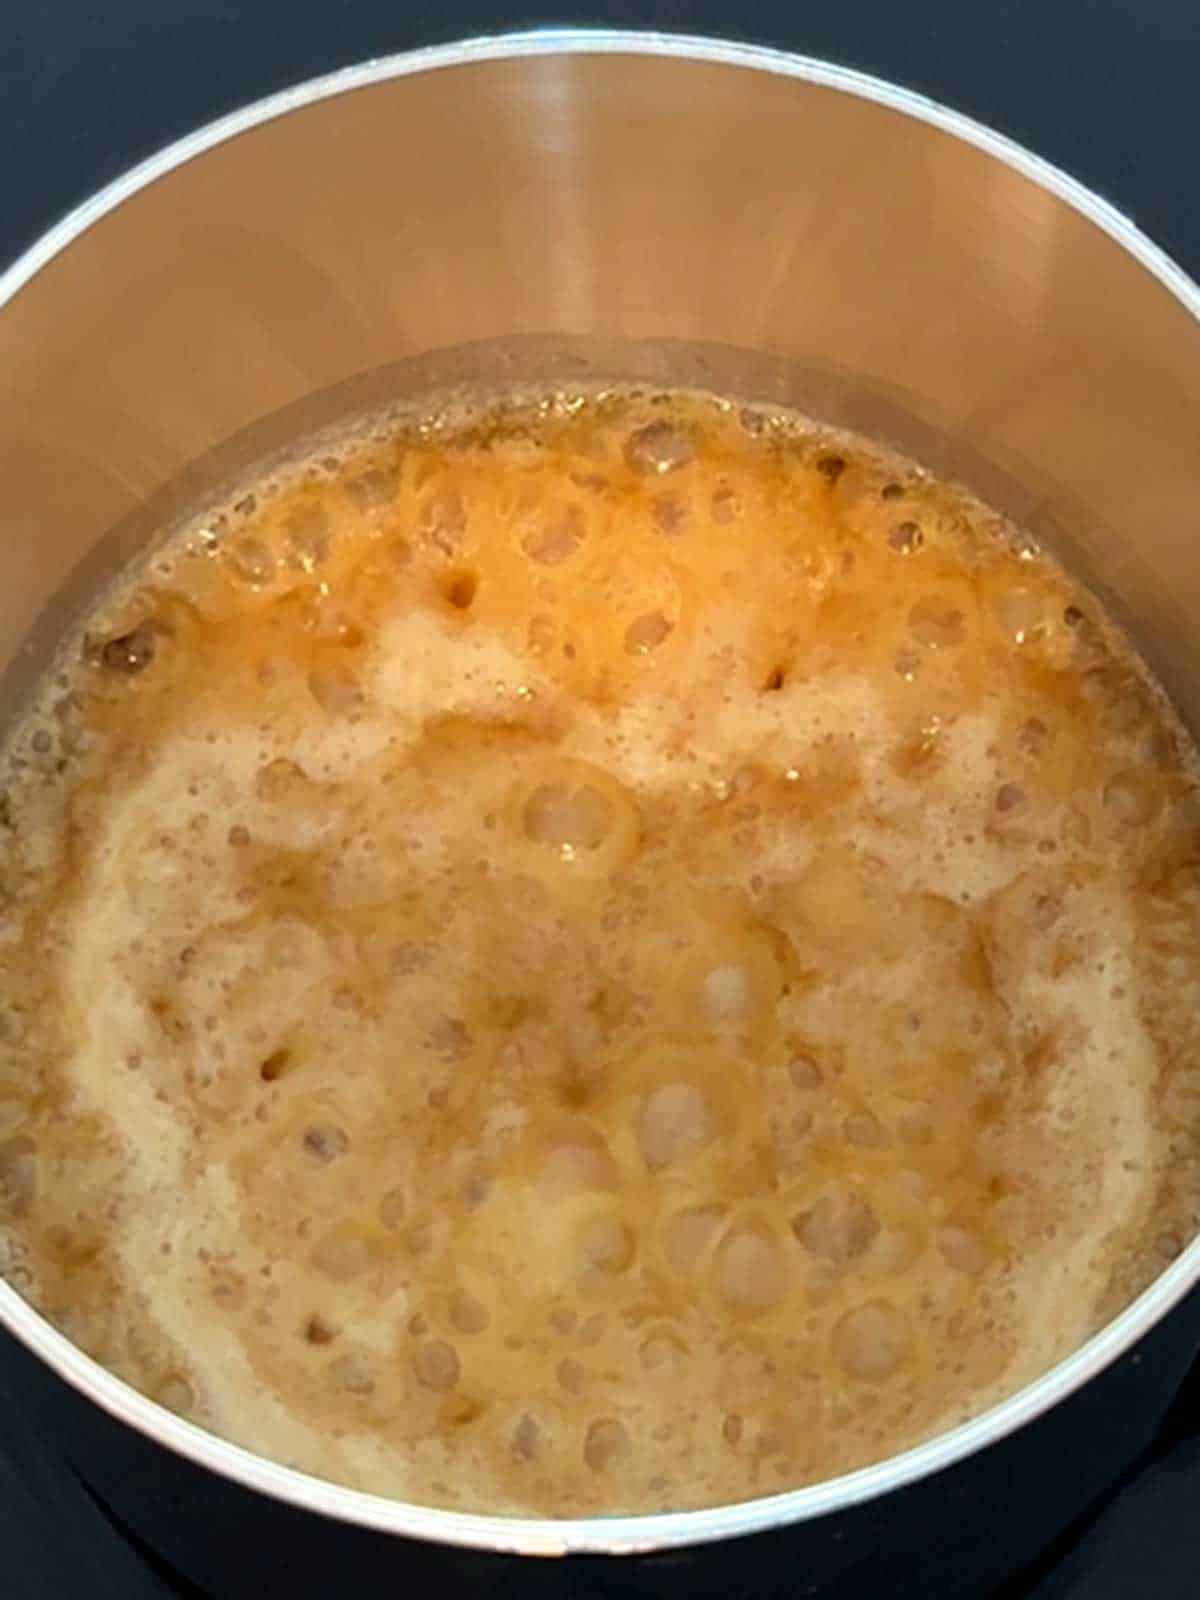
[
  {"x": 541, "y": 635},
  {"x": 804, "y": 1072},
  {"x": 325, "y": 1142},
  {"x": 670, "y": 514},
  {"x": 731, "y": 1429},
  {"x": 725, "y": 506},
  {"x": 354, "y": 1374},
  {"x": 1133, "y": 796},
  {"x": 571, "y": 1375},
  {"x": 906, "y": 664},
  {"x": 557, "y": 539},
  {"x": 863, "y": 1128},
  {"x": 689, "y": 1234},
  {"x": 606, "y": 1444},
  {"x": 18, "y": 1176},
  {"x": 1046, "y": 910},
  {"x": 419, "y": 1239},
  {"x": 227, "y": 1286},
  {"x": 1021, "y": 612},
  {"x": 607, "y": 1244},
  {"x": 728, "y": 993},
  {"x": 274, "y": 1066},
  {"x": 318, "y": 1331},
  {"x": 646, "y": 633},
  {"x": 176, "y": 1393},
  {"x": 916, "y": 1126},
  {"x": 871, "y": 1342},
  {"x": 659, "y": 448},
  {"x": 676, "y": 1121},
  {"x": 131, "y": 652},
  {"x": 838, "y": 1228},
  {"x": 579, "y": 1160},
  {"x": 444, "y": 519},
  {"x": 574, "y": 819},
  {"x": 1009, "y": 797},
  {"x": 459, "y": 1409},
  {"x": 371, "y": 490},
  {"x": 281, "y": 780},
  {"x": 436, "y": 1365},
  {"x": 252, "y": 561},
  {"x": 913, "y": 1183},
  {"x": 526, "y": 1436},
  {"x": 1032, "y": 737},
  {"x": 460, "y": 589},
  {"x": 895, "y": 1250},
  {"x": 308, "y": 537},
  {"x": 750, "y": 1271},
  {"x": 468, "y": 1314},
  {"x": 662, "y": 1351},
  {"x": 450, "y": 1039},
  {"x": 342, "y": 1255},
  {"x": 238, "y": 836},
  {"x": 962, "y": 1250},
  {"x": 936, "y": 624},
  {"x": 801, "y": 1124},
  {"x": 336, "y": 690},
  {"x": 906, "y": 538},
  {"x": 831, "y": 468}
]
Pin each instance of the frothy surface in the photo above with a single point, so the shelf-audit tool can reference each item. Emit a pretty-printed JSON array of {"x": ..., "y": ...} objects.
[{"x": 610, "y": 954}]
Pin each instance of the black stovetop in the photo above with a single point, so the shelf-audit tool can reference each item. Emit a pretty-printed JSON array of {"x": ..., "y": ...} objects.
[{"x": 1104, "y": 88}]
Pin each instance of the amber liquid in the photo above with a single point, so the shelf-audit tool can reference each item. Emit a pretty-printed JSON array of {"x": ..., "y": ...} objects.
[{"x": 611, "y": 953}]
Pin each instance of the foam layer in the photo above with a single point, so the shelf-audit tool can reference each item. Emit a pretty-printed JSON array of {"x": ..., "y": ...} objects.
[{"x": 609, "y": 955}]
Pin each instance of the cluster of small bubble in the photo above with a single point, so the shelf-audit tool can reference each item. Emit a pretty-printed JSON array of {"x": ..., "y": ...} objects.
[{"x": 511, "y": 1219}]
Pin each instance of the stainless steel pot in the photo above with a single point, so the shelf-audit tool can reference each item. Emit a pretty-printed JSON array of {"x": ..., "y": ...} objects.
[{"x": 566, "y": 203}]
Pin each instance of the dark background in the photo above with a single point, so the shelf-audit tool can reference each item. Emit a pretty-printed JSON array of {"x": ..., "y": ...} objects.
[{"x": 1105, "y": 88}]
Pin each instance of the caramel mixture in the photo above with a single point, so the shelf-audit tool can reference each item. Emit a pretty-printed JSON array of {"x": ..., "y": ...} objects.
[{"x": 609, "y": 953}]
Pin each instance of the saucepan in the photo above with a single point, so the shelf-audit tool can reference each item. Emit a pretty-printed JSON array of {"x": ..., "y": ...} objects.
[{"x": 566, "y": 205}]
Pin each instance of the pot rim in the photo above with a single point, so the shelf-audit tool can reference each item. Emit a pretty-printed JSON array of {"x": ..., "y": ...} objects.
[{"x": 620, "y": 1535}]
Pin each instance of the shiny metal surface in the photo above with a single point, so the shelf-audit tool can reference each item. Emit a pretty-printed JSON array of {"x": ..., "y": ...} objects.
[{"x": 766, "y": 224}]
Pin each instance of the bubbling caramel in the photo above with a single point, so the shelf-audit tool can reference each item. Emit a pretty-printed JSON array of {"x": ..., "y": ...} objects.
[{"x": 607, "y": 953}]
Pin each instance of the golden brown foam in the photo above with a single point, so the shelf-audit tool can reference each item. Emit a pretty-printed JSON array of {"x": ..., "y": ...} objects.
[{"x": 617, "y": 954}]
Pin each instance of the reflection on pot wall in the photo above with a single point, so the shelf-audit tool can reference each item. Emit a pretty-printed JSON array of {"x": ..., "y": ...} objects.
[{"x": 615, "y": 196}]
